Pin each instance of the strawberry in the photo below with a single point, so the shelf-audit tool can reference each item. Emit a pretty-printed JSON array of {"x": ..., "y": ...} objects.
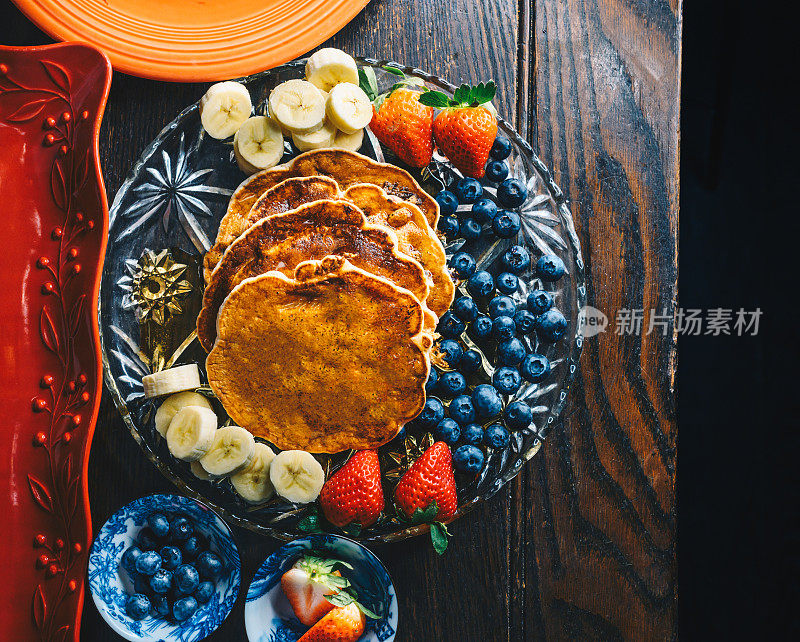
[
  {"x": 405, "y": 126},
  {"x": 464, "y": 130},
  {"x": 427, "y": 492},
  {"x": 354, "y": 493},
  {"x": 342, "y": 624},
  {"x": 308, "y": 582}
]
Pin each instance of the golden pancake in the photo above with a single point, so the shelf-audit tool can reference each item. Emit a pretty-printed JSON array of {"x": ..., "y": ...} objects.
[
  {"x": 312, "y": 231},
  {"x": 325, "y": 362},
  {"x": 283, "y": 197},
  {"x": 414, "y": 238},
  {"x": 346, "y": 168}
]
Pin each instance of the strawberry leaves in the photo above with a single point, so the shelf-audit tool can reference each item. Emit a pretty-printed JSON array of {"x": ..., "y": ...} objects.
[
  {"x": 464, "y": 96},
  {"x": 439, "y": 532},
  {"x": 345, "y": 598}
]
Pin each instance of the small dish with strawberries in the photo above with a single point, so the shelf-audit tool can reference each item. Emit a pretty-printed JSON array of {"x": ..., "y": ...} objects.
[{"x": 318, "y": 588}]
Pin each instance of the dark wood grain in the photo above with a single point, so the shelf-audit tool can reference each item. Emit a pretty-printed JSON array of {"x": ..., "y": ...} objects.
[{"x": 581, "y": 545}]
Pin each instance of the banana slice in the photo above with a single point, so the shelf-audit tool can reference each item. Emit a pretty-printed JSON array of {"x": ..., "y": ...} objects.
[
  {"x": 348, "y": 107},
  {"x": 315, "y": 140},
  {"x": 328, "y": 67},
  {"x": 232, "y": 451},
  {"x": 297, "y": 105},
  {"x": 166, "y": 382},
  {"x": 253, "y": 483},
  {"x": 200, "y": 472},
  {"x": 191, "y": 432},
  {"x": 224, "y": 108},
  {"x": 258, "y": 144},
  {"x": 352, "y": 142},
  {"x": 297, "y": 476},
  {"x": 172, "y": 404}
]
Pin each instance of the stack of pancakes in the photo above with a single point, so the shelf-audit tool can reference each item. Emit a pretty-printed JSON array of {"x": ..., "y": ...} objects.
[{"x": 323, "y": 291}]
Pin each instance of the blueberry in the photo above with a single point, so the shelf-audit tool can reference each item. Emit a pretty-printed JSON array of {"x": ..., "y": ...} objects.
[
  {"x": 186, "y": 578},
  {"x": 452, "y": 384},
  {"x": 501, "y": 148},
  {"x": 184, "y": 608},
  {"x": 451, "y": 352},
  {"x": 193, "y": 546},
  {"x": 524, "y": 321},
  {"x": 483, "y": 210},
  {"x": 148, "y": 563},
  {"x": 161, "y": 582},
  {"x": 551, "y": 325},
  {"x": 210, "y": 565},
  {"x": 129, "y": 559},
  {"x": 461, "y": 410},
  {"x": 159, "y": 524},
  {"x": 512, "y": 192},
  {"x": 468, "y": 459},
  {"x": 470, "y": 362},
  {"x": 138, "y": 606},
  {"x": 465, "y": 309},
  {"x": 504, "y": 328},
  {"x": 518, "y": 415},
  {"x": 463, "y": 264},
  {"x": 147, "y": 539},
  {"x": 467, "y": 190},
  {"x": 506, "y": 224},
  {"x": 539, "y": 302},
  {"x": 448, "y": 431},
  {"x": 433, "y": 378},
  {"x": 204, "y": 592},
  {"x": 507, "y": 380},
  {"x": 171, "y": 557},
  {"x": 451, "y": 326},
  {"x": 432, "y": 413},
  {"x": 535, "y": 367},
  {"x": 486, "y": 400},
  {"x": 160, "y": 605},
  {"x": 497, "y": 437},
  {"x": 447, "y": 202},
  {"x": 516, "y": 259},
  {"x": 510, "y": 352},
  {"x": 180, "y": 529},
  {"x": 470, "y": 229},
  {"x": 472, "y": 434},
  {"x": 482, "y": 327},
  {"x": 448, "y": 225},
  {"x": 496, "y": 171},
  {"x": 502, "y": 306},
  {"x": 507, "y": 283},
  {"x": 480, "y": 284},
  {"x": 550, "y": 267}
]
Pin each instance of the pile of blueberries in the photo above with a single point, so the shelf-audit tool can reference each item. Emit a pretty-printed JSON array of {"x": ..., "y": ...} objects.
[
  {"x": 492, "y": 319},
  {"x": 172, "y": 569}
]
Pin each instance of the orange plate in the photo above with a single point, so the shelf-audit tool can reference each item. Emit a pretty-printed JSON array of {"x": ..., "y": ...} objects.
[{"x": 194, "y": 40}]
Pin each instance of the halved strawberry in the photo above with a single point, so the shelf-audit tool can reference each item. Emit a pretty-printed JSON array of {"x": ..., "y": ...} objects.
[
  {"x": 307, "y": 584},
  {"x": 342, "y": 624}
]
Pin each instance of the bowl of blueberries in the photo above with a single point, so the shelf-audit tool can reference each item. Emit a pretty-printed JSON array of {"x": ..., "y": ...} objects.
[{"x": 164, "y": 567}]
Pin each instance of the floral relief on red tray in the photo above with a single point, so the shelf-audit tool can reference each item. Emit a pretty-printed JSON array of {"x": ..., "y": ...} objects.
[{"x": 55, "y": 222}]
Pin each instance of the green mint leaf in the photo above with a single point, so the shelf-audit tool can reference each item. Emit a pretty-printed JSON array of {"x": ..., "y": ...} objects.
[
  {"x": 367, "y": 82},
  {"x": 439, "y": 535},
  {"x": 394, "y": 70},
  {"x": 462, "y": 95},
  {"x": 434, "y": 99}
]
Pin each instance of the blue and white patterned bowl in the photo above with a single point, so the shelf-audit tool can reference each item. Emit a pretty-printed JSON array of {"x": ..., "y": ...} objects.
[
  {"x": 110, "y": 585},
  {"x": 268, "y": 617}
]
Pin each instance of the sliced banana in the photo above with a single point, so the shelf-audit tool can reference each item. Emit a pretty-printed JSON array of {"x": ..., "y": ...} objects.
[
  {"x": 200, "y": 472},
  {"x": 191, "y": 432},
  {"x": 352, "y": 142},
  {"x": 172, "y": 404},
  {"x": 258, "y": 144},
  {"x": 172, "y": 380},
  {"x": 297, "y": 476},
  {"x": 328, "y": 67},
  {"x": 232, "y": 451},
  {"x": 253, "y": 483},
  {"x": 224, "y": 108},
  {"x": 297, "y": 105},
  {"x": 348, "y": 107},
  {"x": 315, "y": 140}
]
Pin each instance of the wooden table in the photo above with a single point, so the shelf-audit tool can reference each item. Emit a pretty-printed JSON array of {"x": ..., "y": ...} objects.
[{"x": 581, "y": 546}]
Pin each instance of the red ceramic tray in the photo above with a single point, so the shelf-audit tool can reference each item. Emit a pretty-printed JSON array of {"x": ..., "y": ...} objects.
[{"x": 54, "y": 224}]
